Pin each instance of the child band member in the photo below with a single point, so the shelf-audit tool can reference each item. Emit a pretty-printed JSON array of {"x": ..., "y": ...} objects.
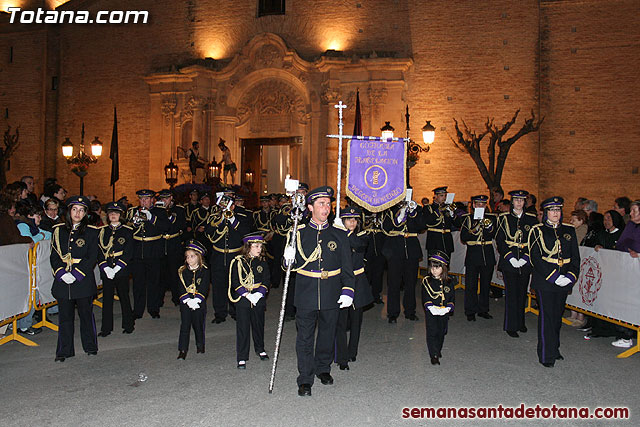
[{"x": 437, "y": 299}]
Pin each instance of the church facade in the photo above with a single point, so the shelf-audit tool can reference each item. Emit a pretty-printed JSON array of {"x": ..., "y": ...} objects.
[{"x": 205, "y": 70}]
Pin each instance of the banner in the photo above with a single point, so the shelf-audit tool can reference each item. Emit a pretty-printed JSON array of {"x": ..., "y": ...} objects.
[
  {"x": 608, "y": 284},
  {"x": 376, "y": 172},
  {"x": 14, "y": 280}
]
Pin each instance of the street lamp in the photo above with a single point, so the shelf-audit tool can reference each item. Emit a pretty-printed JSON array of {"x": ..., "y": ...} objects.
[
  {"x": 387, "y": 131},
  {"x": 428, "y": 132},
  {"x": 81, "y": 161},
  {"x": 213, "y": 169},
  {"x": 171, "y": 174}
]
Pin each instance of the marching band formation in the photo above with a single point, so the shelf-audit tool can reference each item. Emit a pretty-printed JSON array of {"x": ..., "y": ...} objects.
[{"x": 336, "y": 269}]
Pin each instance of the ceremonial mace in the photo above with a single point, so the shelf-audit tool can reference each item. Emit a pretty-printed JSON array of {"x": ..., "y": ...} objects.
[{"x": 297, "y": 209}]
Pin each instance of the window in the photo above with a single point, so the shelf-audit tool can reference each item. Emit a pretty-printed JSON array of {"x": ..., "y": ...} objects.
[{"x": 270, "y": 7}]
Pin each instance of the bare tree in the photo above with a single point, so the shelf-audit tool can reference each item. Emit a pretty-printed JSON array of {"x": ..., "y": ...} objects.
[
  {"x": 469, "y": 141},
  {"x": 11, "y": 142}
]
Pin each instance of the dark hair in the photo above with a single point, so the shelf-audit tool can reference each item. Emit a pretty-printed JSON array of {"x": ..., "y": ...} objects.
[
  {"x": 52, "y": 189},
  {"x": 581, "y": 215},
  {"x": 193, "y": 144},
  {"x": 6, "y": 202},
  {"x": 616, "y": 218},
  {"x": 95, "y": 205},
  {"x": 83, "y": 223},
  {"x": 624, "y": 203},
  {"x": 505, "y": 202},
  {"x": 498, "y": 189},
  {"x": 25, "y": 209},
  {"x": 247, "y": 247},
  {"x": 445, "y": 270},
  {"x": 534, "y": 199},
  {"x": 15, "y": 189}
]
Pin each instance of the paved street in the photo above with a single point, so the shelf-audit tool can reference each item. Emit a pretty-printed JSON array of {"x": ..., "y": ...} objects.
[{"x": 481, "y": 366}]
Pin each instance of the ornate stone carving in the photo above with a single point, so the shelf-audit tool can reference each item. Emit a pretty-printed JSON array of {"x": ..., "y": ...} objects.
[
  {"x": 329, "y": 94},
  {"x": 377, "y": 96},
  {"x": 268, "y": 56},
  {"x": 169, "y": 103},
  {"x": 271, "y": 98}
]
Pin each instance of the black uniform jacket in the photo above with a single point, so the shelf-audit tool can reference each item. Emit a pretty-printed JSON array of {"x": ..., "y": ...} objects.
[
  {"x": 438, "y": 225},
  {"x": 177, "y": 217},
  {"x": 248, "y": 275},
  {"x": 76, "y": 253},
  {"x": 324, "y": 266},
  {"x": 195, "y": 283},
  {"x": 359, "y": 242},
  {"x": 401, "y": 234},
  {"x": 225, "y": 233},
  {"x": 437, "y": 292},
  {"x": 553, "y": 251},
  {"x": 147, "y": 234},
  {"x": 512, "y": 240},
  {"x": 116, "y": 248},
  {"x": 479, "y": 239}
]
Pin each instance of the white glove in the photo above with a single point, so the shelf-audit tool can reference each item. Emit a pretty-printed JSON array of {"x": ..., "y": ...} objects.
[
  {"x": 116, "y": 269},
  {"x": 433, "y": 309},
  {"x": 109, "y": 272},
  {"x": 442, "y": 311},
  {"x": 515, "y": 262},
  {"x": 448, "y": 310},
  {"x": 289, "y": 255},
  {"x": 345, "y": 301},
  {"x": 147, "y": 213},
  {"x": 523, "y": 262},
  {"x": 254, "y": 298},
  {"x": 563, "y": 280},
  {"x": 68, "y": 278},
  {"x": 195, "y": 303}
]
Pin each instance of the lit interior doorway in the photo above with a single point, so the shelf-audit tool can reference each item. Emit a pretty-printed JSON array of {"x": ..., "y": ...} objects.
[{"x": 267, "y": 161}]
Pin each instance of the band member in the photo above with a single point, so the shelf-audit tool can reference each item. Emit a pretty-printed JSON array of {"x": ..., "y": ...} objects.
[
  {"x": 225, "y": 231},
  {"x": 74, "y": 252},
  {"x": 194, "y": 279},
  {"x": 249, "y": 279},
  {"x": 511, "y": 240},
  {"x": 280, "y": 225},
  {"x": 116, "y": 251},
  {"x": 438, "y": 300},
  {"x": 351, "y": 317},
  {"x": 438, "y": 220},
  {"x": 199, "y": 219},
  {"x": 149, "y": 223},
  {"x": 402, "y": 251},
  {"x": 173, "y": 252},
  {"x": 189, "y": 209},
  {"x": 325, "y": 283},
  {"x": 555, "y": 257},
  {"x": 375, "y": 261},
  {"x": 480, "y": 260}
]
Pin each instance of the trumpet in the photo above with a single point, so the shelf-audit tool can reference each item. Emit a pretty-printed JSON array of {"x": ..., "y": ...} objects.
[
  {"x": 448, "y": 209},
  {"x": 412, "y": 205},
  {"x": 484, "y": 222},
  {"x": 137, "y": 217}
]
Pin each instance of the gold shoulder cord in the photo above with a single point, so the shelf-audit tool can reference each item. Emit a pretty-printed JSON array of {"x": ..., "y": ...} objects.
[
  {"x": 66, "y": 258},
  {"x": 247, "y": 281},
  {"x": 191, "y": 289},
  {"x": 315, "y": 255},
  {"x": 106, "y": 249},
  {"x": 433, "y": 294}
]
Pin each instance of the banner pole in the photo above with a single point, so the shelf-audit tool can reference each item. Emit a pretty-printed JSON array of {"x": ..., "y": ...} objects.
[{"x": 340, "y": 106}]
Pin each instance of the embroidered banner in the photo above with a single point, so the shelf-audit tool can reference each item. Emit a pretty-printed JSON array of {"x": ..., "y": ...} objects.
[{"x": 376, "y": 172}]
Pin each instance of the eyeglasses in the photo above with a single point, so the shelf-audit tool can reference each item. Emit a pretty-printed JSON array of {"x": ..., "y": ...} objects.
[{"x": 51, "y": 209}]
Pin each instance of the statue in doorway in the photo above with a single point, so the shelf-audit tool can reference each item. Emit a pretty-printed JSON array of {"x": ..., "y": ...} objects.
[
  {"x": 195, "y": 161},
  {"x": 229, "y": 166}
]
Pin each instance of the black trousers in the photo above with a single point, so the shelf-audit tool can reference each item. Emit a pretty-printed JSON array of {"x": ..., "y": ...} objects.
[
  {"x": 220, "y": 290},
  {"x": 315, "y": 354},
  {"x": 249, "y": 323},
  {"x": 277, "y": 274},
  {"x": 170, "y": 280},
  {"x": 66, "y": 318},
  {"x": 192, "y": 319},
  {"x": 437, "y": 327},
  {"x": 289, "y": 308},
  {"x": 515, "y": 290},
  {"x": 349, "y": 318},
  {"x": 146, "y": 285},
  {"x": 121, "y": 284},
  {"x": 375, "y": 270},
  {"x": 401, "y": 271},
  {"x": 473, "y": 302},
  {"x": 551, "y": 305}
]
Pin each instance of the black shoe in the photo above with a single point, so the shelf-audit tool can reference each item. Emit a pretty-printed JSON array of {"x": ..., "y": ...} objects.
[
  {"x": 264, "y": 356},
  {"x": 155, "y": 315},
  {"x": 289, "y": 317},
  {"x": 233, "y": 316},
  {"x": 30, "y": 331},
  {"x": 304, "y": 390},
  {"x": 513, "y": 334},
  {"x": 485, "y": 315},
  {"x": 439, "y": 355},
  {"x": 127, "y": 331},
  {"x": 559, "y": 357},
  {"x": 435, "y": 361},
  {"x": 353, "y": 359},
  {"x": 218, "y": 320},
  {"x": 92, "y": 353},
  {"x": 325, "y": 378},
  {"x": 104, "y": 334},
  {"x": 344, "y": 366},
  {"x": 60, "y": 358},
  {"x": 182, "y": 355},
  {"x": 137, "y": 316},
  {"x": 378, "y": 301},
  {"x": 393, "y": 319},
  {"x": 548, "y": 365},
  {"x": 200, "y": 349},
  {"x": 411, "y": 317},
  {"x": 471, "y": 317},
  {"x": 523, "y": 329},
  {"x": 585, "y": 328},
  {"x": 242, "y": 365}
]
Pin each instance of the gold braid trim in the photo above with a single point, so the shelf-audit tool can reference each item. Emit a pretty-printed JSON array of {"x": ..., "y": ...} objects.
[
  {"x": 224, "y": 231},
  {"x": 106, "y": 249},
  {"x": 66, "y": 258},
  {"x": 433, "y": 294},
  {"x": 246, "y": 281},
  {"x": 315, "y": 255},
  {"x": 191, "y": 289}
]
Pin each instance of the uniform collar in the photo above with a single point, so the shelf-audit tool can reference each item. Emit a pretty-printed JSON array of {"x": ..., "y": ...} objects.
[
  {"x": 516, "y": 215},
  {"x": 317, "y": 226},
  {"x": 117, "y": 227},
  {"x": 550, "y": 224}
]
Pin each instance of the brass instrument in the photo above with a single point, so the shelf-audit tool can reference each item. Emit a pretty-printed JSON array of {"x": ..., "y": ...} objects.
[
  {"x": 138, "y": 217},
  {"x": 412, "y": 205},
  {"x": 448, "y": 209},
  {"x": 483, "y": 223}
]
